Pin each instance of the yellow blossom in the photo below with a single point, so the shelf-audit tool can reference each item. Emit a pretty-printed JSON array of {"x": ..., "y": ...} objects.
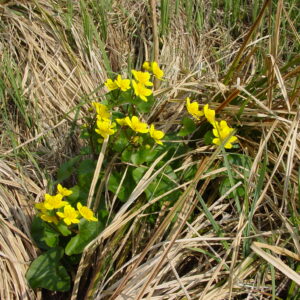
[
  {"x": 142, "y": 77},
  {"x": 135, "y": 139},
  {"x": 140, "y": 90},
  {"x": 69, "y": 215},
  {"x": 86, "y": 212},
  {"x": 41, "y": 206},
  {"x": 147, "y": 66},
  {"x": 154, "y": 68},
  {"x": 157, "y": 135},
  {"x": 209, "y": 114},
  {"x": 121, "y": 121},
  {"x": 136, "y": 125},
  {"x": 193, "y": 109},
  {"x": 157, "y": 71},
  {"x": 63, "y": 191},
  {"x": 110, "y": 84},
  {"x": 54, "y": 202},
  {"x": 123, "y": 84},
  {"x": 105, "y": 128},
  {"x": 49, "y": 219},
  {"x": 222, "y": 132},
  {"x": 101, "y": 111}
]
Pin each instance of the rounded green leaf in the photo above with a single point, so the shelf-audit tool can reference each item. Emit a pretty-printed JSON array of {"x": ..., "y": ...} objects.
[
  {"x": 188, "y": 127},
  {"x": 46, "y": 272},
  {"x": 44, "y": 235},
  {"x": 88, "y": 230}
]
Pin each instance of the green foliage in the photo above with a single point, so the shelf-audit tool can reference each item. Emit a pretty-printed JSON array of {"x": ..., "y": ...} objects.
[
  {"x": 64, "y": 225},
  {"x": 121, "y": 142},
  {"x": 144, "y": 156},
  {"x": 189, "y": 127},
  {"x": 87, "y": 232},
  {"x": 208, "y": 137},
  {"x": 85, "y": 173},
  {"x": 44, "y": 235},
  {"x": 67, "y": 169},
  {"x": 225, "y": 186},
  {"x": 47, "y": 272},
  {"x": 124, "y": 190},
  {"x": 63, "y": 229}
]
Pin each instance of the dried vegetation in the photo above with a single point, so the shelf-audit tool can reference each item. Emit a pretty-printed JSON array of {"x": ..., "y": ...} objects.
[{"x": 54, "y": 57}]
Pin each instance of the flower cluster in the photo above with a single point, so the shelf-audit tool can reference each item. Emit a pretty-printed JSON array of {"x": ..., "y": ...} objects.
[
  {"x": 119, "y": 83},
  {"x": 140, "y": 83},
  {"x": 221, "y": 131},
  {"x": 154, "y": 68},
  {"x": 105, "y": 126},
  {"x": 140, "y": 127},
  {"x": 54, "y": 209}
]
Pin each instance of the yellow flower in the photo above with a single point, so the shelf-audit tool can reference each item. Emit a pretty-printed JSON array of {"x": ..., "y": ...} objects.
[
  {"x": 121, "y": 122},
  {"x": 140, "y": 90},
  {"x": 54, "y": 202},
  {"x": 41, "y": 206},
  {"x": 123, "y": 84},
  {"x": 222, "y": 132},
  {"x": 142, "y": 77},
  {"x": 157, "y": 71},
  {"x": 101, "y": 111},
  {"x": 69, "y": 215},
  {"x": 154, "y": 68},
  {"x": 86, "y": 212},
  {"x": 193, "y": 109},
  {"x": 111, "y": 85},
  {"x": 157, "y": 135},
  {"x": 136, "y": 125},
  {"x": 146, "y": 66},
  {"x": 209, "y": 114},
  {"x": 105, "y": 128},
  {"x": 135, "y": 139},
  {"x": 49, "y": 219},
  {"x": 63, "y": 191}
]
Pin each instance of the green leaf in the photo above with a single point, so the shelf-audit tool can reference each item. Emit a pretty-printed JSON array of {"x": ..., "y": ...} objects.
[
  {"x": 113, "y": 185},
  {"x": 127, "y": 186},
  {"x": 86, "y": 150},
  {"x": 189, "y": 173},
  {"x": 143, "y": 155},
  {"x": 208, "y": 138},
  {"x": 67, "y": 169},
  {"x": 226, "y": 185},
  {"x": 188, "y": 127},
  {"x": 123, "y": 98},
  {"x": 88, "y": 230},
  {"x": 121, "y": 141},
  {"x": 73, "y": 198},
  {"x": 241, "y": 161},
  {"x": 43, "y": 234},
  {"x": 63, "y": 229},
  {"x": 143, "y": 106},
  {"x": 126, "y": 155},
  {"x": 78, "y": 195},
  {"x": 138, "y": 173},
  {"x": 45, "y": 272},
  {"x": 85, "y": 173}
]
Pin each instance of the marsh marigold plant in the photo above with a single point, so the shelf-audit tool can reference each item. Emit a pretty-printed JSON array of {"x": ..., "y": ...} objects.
[{"x": 68, "y": 219}]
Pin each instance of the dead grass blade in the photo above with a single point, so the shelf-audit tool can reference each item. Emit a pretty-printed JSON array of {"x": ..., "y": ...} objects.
[{"x": 276, "y": 262}]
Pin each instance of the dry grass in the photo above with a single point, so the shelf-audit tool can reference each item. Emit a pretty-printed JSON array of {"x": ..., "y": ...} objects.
[{"x": 219, "y": 247}]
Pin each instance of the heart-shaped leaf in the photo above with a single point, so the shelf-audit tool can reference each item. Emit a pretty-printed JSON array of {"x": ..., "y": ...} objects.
[
  {"x": 88, "y": 230},
  {"x": 46, "y": 272}
]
